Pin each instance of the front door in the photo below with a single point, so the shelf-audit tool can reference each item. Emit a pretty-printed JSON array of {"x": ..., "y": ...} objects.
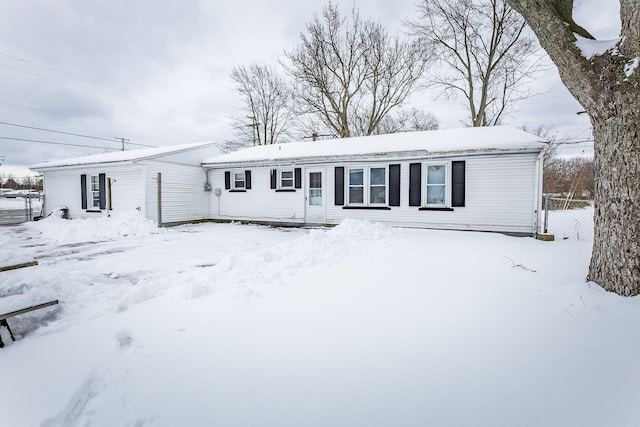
[{"x": 315, "y": 200}]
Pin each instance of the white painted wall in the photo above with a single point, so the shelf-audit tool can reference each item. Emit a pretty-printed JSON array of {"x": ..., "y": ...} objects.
[
  {"x": 260, "y": 203},
  {"x": 62, "y": 188},
  {"x": 134, "y": 187},
  {"x": 500, "y": 196},
  {"x": 183, "y": 195}
]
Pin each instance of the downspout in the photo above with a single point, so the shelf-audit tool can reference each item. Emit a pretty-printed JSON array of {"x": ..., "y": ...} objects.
[{"x": 538, "y": 192}]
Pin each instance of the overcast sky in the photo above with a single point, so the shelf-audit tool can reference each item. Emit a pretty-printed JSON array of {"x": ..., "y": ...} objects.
[{"x": 157, "y": 72}]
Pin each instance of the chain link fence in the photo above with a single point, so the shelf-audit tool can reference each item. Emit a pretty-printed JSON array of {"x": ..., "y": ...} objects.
[
  {"x": 568, "y": 218},
  {"x": 19, "y": 210}
]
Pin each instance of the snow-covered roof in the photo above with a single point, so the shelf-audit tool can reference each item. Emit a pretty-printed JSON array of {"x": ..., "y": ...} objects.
[
  {"x": 122, "y": 156},
  {"x": 438, "y": 142}
]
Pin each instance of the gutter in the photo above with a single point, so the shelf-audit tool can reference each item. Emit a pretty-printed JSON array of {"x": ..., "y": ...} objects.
[{"x": 369, "y": 158}]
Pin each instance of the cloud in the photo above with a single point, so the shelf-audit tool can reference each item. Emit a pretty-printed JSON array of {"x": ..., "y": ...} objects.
[{"x": 156, "y": 72}]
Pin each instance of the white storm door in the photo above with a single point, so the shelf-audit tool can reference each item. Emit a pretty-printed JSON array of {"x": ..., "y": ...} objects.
[{"x": 315, "y": 197}]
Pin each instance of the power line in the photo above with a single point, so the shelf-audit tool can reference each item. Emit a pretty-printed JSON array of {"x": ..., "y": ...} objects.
[
  {"x": 576, "y": 141},
  {"x": 73, "y": 116},
  {"x": 127, "y": 98},
  {"x": 84, "y": 78},
  {"x": 55, "y": 131},
  {"x": 73, "y": 134},
  {"x": 36, "y": 109},
  {"x": 59, "y": 143}
]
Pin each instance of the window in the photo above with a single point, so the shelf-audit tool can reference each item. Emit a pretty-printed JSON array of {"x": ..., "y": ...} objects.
[
  {"x": 286, "y": 179},
  {"x": 436, "y": 185},
  {"x": 377, "y": 186},
  {"x": 356, "y": 186},
  {"x": 315, "y": 188},
  {"x": 94, "y": 190},
  {"x": 367, "y": 186},
  {"x": 239, "y": 180}
]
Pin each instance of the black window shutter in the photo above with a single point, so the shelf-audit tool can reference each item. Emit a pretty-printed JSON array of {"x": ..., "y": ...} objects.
[
  {"x": 339, "y": 186},
  {"x": 457, "y": 183},
  {"x": 102, "y": 179},
  {"x": 297, "y": 172},
  {"x": 394, "y": 185},
  {"x": 274, "y": 178},
  {"x": 83, "y": 190},
  {"x": 415, "y": 184},
  {"x": 247, "y": 180},
  {"x": 227, "y": 180}
]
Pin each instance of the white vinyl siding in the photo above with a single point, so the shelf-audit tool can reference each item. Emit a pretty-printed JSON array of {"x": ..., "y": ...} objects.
[
  {"x": 183, "y": 197},
  {"x": 134, "y": 186},
  {"x": 499, "y": 197},
  {"x": 62, "y": 189},
  {"x": 260, "y": 203}
]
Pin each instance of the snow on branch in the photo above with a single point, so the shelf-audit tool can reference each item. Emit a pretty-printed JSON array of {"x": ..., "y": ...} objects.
[{"x": 590, "y": 48}]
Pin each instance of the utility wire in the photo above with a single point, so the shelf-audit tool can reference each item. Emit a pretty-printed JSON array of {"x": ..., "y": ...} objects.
[
  {"x": 73, "y": 134},
  {"x": 127, "y": 98},
  {"x": 84, "y": 78},
  {"x": 71, "y": 115},
  {"x": 59, "y": 143},
  {"x": 36, "y": 109}
]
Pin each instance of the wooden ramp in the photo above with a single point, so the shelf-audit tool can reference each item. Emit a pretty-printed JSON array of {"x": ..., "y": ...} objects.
[{"x": 4, "y": 324}]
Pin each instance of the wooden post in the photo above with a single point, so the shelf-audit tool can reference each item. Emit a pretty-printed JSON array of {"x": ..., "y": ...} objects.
[
  {"x": 16, "y": 266},
  {"x": 28, "y": 309},
  {"x": 159, "y": 199}
]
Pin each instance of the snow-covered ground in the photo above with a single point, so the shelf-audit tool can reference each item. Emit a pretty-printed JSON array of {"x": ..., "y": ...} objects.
[
  {"x": 575, "y": 224},
  {"x": 358, "y": 325}
]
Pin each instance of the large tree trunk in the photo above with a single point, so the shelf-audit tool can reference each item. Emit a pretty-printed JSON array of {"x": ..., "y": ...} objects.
[
  {"x": 615, "y": 260},
  {"x": 609, "y": 91}
]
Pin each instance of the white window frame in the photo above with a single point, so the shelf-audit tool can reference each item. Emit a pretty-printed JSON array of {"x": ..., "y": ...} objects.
[
  {"x": 366, "y": 185},
  {"x": 386, "y": 185},
  {"x": 281, "y": 179},
  {"x": 93, "y": 191},
  {"x": 363, "y": 185},
  {"x": 447, "y": 184},
  {"x": 233, "y": 180}
]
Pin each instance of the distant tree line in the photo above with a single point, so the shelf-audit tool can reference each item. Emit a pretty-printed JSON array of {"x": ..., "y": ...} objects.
[
  {"x": 21, "y": 183},
  {"x": 570, "y": 177}
]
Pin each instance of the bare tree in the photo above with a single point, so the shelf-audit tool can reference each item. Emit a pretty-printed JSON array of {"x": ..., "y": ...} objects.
[
  {"x": 569, "y": 177},
  {"x": 408, "y": 121},
  {"x": 553, "y": 141},
  {"x": 607, "y": 85},
  {"x": 483, "y": 52},
  {"x": 267, "y": 98},
  {"x": 351, "y": 73}
]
